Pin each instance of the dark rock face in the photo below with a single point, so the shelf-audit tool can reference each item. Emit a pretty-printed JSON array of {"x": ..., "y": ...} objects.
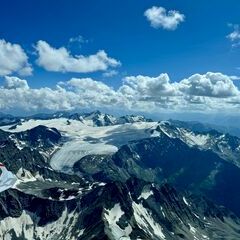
[
  {"x": 40, "y": 136},
  {"x": 28, "y": 158},
  {"x": 14, "y": 158},
  {"x": 14, "y": 202},
  {"x": 7, "y": 119},
  {"x": 168, "y": 159},
  {"x": 223, "y": 144},
  {"x": 164, "y": 209},
  {"x": 184, "y": 167}
]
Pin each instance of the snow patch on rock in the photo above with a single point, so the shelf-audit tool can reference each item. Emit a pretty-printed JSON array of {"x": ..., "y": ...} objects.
[{"x": 112, "y": 217}]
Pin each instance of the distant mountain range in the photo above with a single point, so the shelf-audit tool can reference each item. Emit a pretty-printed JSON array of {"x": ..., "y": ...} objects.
[
  {"x": 98, "y": 118},
  {"x": 108, "y": 119},
  {"x": 96, "y": 176}
]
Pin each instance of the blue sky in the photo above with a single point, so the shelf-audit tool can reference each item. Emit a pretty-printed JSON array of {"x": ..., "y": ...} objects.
[
  {"x": 199, "y": 44},
  {"x": 119, "y": 27}
]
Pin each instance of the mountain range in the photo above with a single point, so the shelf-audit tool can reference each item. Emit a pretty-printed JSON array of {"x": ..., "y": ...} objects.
[{"x": 97, "y": 176}]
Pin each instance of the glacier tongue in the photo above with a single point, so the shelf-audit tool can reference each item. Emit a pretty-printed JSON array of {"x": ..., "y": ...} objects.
[
  {"x": 84, "y": 139},
  {"x": 73, "y": 151},
  {"x": 88, "y": 140}
]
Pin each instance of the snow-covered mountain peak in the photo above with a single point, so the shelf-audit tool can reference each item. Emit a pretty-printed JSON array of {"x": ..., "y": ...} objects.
[
  {"x": 95, "y": 118},
  {"x": 225, "y": 145}
]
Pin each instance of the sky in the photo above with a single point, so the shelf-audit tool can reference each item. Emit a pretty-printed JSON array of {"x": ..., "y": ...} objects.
[{"x": 138, "y": 55}]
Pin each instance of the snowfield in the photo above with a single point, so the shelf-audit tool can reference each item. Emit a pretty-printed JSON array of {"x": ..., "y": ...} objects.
[
  {"x": 7, "y": 179},
  {"x": 82, "y": 138},
  {"x": 112, "y": 217}
]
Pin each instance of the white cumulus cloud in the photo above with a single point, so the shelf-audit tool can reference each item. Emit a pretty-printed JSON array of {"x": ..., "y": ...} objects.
[
  {"x": 13, "y": 59},
  {"x": 209, "y": 85},
  {"x": 150, "y": 87},
  {"x": 159, "y": 17},
  {"x": 61, "y": 60},
  {"x": 15, "y": 82}
]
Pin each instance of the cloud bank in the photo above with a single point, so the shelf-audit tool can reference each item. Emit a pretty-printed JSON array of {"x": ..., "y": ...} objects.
[{"x": 206, "y": 92}]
